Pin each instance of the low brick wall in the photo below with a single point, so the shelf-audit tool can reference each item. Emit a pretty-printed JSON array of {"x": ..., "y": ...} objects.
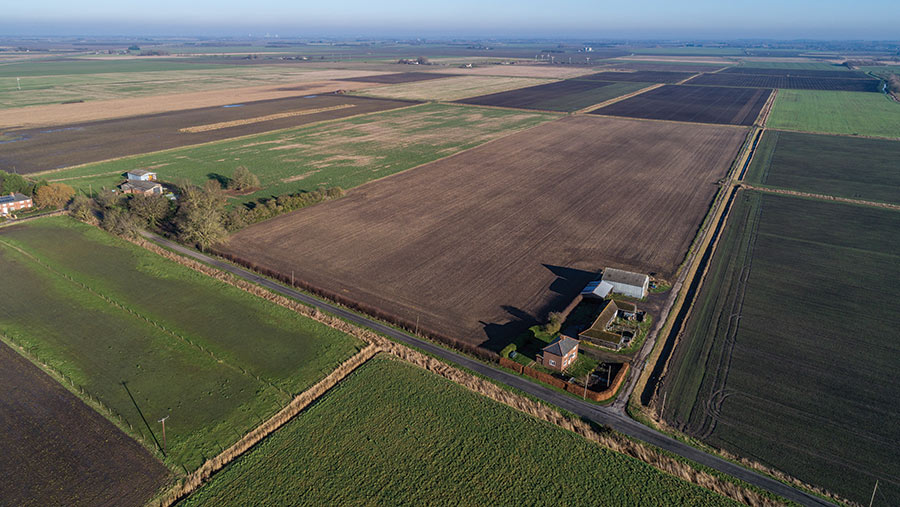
[{"x": 576, "y": 389}]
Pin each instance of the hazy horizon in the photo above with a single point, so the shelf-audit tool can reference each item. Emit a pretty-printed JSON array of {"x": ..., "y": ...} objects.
[{"x": 652, "y": 19}]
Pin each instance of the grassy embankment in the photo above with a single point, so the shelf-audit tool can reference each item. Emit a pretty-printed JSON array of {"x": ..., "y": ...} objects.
[
  {"x": 394, "y": 433},
  {"x": 790, "y": 351},
  {"x": 149, "y": 338},
  {"x": 345, "y": 153}
]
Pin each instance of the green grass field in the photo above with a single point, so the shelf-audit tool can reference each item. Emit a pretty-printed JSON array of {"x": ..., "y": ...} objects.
[
  {"x": 344, "y": 153},
  {"x": 95, "y": 66},
  {"x": 688, "y": 51},
  {"x": 102, "y": 311},
  {"x": 791, "y": 352},
  {"x": 842, "y": 166},
  {"x": 392, "y": 433},
  {"x": 133, "y": 81},
  {"x": 855, "y": 113}
]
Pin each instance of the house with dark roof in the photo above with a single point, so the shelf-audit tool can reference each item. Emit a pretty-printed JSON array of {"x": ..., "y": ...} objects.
[
  {"x": 14, "y": 202},
  {"x": 560, "y": 354},
  {"x": 141, "y": 187}
]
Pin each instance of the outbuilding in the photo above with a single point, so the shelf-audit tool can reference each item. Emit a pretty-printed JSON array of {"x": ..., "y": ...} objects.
[
  {"x": 140, "y": 175},
  {"x": 620, "y": 282},
  {"x": 141, "y": 187}
]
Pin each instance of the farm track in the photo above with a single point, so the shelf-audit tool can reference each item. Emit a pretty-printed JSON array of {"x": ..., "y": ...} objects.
[
  {"x": 614, "y": 418},
  {"x": 618, "y": 99}
]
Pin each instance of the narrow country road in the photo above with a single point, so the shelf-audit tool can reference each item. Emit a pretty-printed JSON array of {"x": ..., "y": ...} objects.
[{"x": 609, "y": 416}]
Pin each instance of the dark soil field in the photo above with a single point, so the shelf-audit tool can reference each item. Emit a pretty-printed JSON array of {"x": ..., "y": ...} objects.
[
  {"x": 569, "y": 95},
  {"x": 735, "y": 106},
  {"x": 405, "y": 77},
  {"x": 790, "y": 355},
  {"x": 33, "y": 150},
  {"x": 641, "y": 76},
  {"x": 55, "y": 450},
  {"x": 664, "y": 66},
  {"x": 788, "y": 72},
  {"x": 853, "y": 167},
  {"x": 483, "y": 244},
  {"x": 787, "y": 81}
]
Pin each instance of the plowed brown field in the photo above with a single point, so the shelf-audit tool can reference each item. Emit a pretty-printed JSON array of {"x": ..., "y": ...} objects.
[
  {"x": 55, "y": 450},
  {"x": 481, "y": 244}
]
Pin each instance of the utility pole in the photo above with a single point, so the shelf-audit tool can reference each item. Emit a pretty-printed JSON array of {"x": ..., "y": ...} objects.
[
  {"x": 292, "y": 278},
  {"x": 163, "y": 421},
  {"x": 19, "y": 86},
  {"x": 586, "y": 379},
  {"x": 873, "y": 493},
  {"x": 608, "y": 370},
  {"x": 417, "y": 326}
]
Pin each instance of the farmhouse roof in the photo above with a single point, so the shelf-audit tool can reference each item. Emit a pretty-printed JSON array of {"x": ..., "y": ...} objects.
[
  {"x": 561, "y": 346},
  {"x": 140, "y": 185},
  {"x": 140, "y": 172},
  {"x": 16, "y": 197},
  {"x": 613, "y": 275}
]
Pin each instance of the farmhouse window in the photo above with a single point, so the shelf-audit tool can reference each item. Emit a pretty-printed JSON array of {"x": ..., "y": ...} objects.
[{"x": 552, "y": 363}]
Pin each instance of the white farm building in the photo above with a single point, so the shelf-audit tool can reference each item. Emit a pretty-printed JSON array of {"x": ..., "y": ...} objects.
[{"x": 620, "y": 282}]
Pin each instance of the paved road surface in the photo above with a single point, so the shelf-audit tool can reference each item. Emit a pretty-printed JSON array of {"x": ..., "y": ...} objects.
[{"x": 612, "y": 417}]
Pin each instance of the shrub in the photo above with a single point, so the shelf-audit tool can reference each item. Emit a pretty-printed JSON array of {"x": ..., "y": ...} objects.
[
  {"x": 54, "y": 195},
  {"x": 554, "y": 322},
  {"x": 507, "y": 350},
  {"x": 243, "y": 179}
]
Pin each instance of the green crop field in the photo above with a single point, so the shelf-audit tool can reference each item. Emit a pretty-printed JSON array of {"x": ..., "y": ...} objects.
[
  {"x": 830, "y": 112},
  {"x": 791, "y": 352},
  {"x": 35, "y": 88},
  {"x": 843, "y": 166},
  {"x": 344, "y": 153},
  {"x": 688, "y": 51},
  {"x": 95, "y": 66},
  {"x": 392, "y": 433},
  {"x": 150, "y": 338}
]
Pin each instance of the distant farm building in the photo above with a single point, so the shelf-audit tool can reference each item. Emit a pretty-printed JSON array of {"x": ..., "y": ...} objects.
[
  {"x": 140, "y": 175},
  {"x": 599, "y": 333},
  {"x": 620, "y": 282},
  {"x": 14, "y": 202},
  {"x": 560, "y": 354},
  {"x": 141, "y": 187}
]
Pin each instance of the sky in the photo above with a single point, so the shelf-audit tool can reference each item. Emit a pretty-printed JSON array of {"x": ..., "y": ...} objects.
[{"x": 720, "y": 19}]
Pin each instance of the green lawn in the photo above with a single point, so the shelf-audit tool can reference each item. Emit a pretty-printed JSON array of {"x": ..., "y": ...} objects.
[
  {"x": 215, "y": 359},
  {"x": 791, "y": 350},
  {"x": 855, "y": 113},
  {"x": 392, "y": 433},
  {"x": 344, "y": 153},
  {"x": 853, "y": 167}
]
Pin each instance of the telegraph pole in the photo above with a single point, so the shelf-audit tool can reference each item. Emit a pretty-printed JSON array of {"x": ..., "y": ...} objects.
[
  {"x": 163, "y": 421},
  {"x": 586, "y": 379},
  {"x": 873, "y": 493}
]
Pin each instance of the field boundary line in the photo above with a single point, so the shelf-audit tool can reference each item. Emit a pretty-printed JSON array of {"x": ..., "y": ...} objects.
[
  {"x": 821, "y": 197},
  {"x": 763, "y": 115},
  {"x": 618, "y": 99},
  {"x": 260, "y": 119},
  {"x": 502, "y": 108},
  {"x": 833, "y": 134},
  {"x": 237, "y": 138},
  {"x": 685, "y": 80},
  {"x": 200, "y": 476},
  {"x": 676, "y": 122}
]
